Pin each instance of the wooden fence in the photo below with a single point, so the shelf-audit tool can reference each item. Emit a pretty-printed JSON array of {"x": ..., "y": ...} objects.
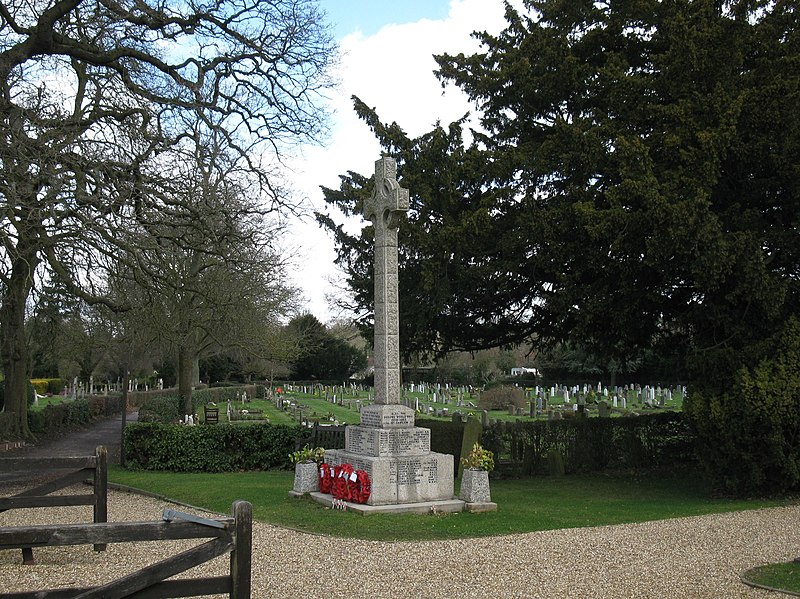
[
  {"x": 229, "y": 535},
  {"x": 95, "y": 467}
]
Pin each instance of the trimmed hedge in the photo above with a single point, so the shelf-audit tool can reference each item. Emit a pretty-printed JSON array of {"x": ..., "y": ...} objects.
[
  {"x": 660, "y": 440},
  {"x": 165, "y": 409},
  {"x": 220, "y": 448},
  {"x": 56, "y": 418},
  {"x": 44, "y": 386}
]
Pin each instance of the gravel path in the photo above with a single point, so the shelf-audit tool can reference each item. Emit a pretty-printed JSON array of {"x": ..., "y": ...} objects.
[{"x": 698, "y": 557}]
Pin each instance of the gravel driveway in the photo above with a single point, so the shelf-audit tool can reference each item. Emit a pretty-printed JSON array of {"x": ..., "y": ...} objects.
[{"x": 697, "y": 557}]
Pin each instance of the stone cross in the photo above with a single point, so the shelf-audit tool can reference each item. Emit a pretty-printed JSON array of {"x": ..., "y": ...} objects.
[{"x": 384, "y": 208}]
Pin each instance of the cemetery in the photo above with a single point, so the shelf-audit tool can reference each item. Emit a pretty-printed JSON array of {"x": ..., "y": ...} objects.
[{"x": 606, "y": 236}]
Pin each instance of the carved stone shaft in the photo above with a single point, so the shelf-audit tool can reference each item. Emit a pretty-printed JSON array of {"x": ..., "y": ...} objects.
[{"x": 387, "y": 203}]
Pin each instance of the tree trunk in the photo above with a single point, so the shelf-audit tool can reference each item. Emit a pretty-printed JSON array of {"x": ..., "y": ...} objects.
[
  {"x": 196, "y": 371},
  {"x": 186, "y": 363},
  {"x": 14, "y": 342},
  {"x": 124, "y": 416}
]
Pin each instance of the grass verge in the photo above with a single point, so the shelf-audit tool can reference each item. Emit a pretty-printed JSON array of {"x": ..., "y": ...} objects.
[
  {"x": 541, "y": 503},
  {"x": 784, "y": 577}
]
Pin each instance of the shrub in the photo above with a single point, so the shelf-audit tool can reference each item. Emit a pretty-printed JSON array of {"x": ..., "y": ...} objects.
[
  {"x": 308, "y": 454},
  {"x": 40, "y": 386},
  {"x": 166, "y": 409},
  {"x": 660, "y": 440},
  {"x": 221, "y": 448},
  {"x": 6, "y": 423},
  {"x": 750, "y": 437},
  {"x": 479, "y": 459},
  {"x": 45, "y": 386},
  {"x": 31, "y": 394},
  {"x": 499, "y": 398}
]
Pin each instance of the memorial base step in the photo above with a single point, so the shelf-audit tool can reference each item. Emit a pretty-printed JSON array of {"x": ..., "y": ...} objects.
[{"x": 449, "y": 506}]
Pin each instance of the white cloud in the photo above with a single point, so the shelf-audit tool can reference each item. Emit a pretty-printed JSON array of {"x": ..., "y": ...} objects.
[{"x": 391, "y": 71}]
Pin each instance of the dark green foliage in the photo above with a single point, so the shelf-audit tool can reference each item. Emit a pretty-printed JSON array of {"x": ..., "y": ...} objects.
[
  {"x": 634, "y": 190},
  {"x": 750, "y": 435},
  {"x": 639, "y": 161},
  {"x": 591, "y": 444},
  {"x": 221, "y": 448},
  {"x": 5, "y": 425},
  {"x": 166, "y": 409},
  {"x": 31, "y": 394},
  {"x": 323, "y": 357}
]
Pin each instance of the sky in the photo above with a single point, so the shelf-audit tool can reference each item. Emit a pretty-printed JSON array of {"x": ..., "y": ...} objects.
[{"x": 387, "y": 61}]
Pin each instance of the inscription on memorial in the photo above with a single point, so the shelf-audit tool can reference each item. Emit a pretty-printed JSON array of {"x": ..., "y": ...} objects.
[
  {"x": 409, "y": 473},
  {"x": 359, "y": 441},
  {"x": 372, "y": 419},
  {"x": 405, "y": 441},
  {"x": 413, "y": 472},
  {"x": 430, "y": 471},
  {"x": 378, "y": 419}
]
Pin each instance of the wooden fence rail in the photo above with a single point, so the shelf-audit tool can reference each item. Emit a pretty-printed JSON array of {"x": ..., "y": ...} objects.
[
  {"x": 95, "y": 467},
  {"x": 227, "y": 535}
]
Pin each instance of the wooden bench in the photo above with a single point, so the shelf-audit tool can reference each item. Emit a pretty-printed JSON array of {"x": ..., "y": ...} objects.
[
  {"x": 210, "y": 415},
  {"x": 329, "y": 437}
]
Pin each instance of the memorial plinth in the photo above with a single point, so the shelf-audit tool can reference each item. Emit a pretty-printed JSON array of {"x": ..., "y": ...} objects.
[{"x": 399, "y": 461}]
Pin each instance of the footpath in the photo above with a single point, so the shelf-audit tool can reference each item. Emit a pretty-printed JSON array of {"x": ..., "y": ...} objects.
[{"x": 82, "y": 442}]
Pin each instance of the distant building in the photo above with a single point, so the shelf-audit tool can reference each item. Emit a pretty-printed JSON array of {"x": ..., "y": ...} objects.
[{"x": 522, "y": 370}]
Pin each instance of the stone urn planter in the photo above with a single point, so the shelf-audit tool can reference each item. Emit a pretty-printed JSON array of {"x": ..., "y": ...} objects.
[
  {"x": 474, "y": 490},
  {"x": 475, "y": 486},
  {"x": 306, "y": 470},
  {"x": 306, "y": 477}
]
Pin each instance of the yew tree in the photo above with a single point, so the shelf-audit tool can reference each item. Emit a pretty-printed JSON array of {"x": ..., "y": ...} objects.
[
  {"x": 633, "y": 182},
  {"x": 96, "y": 96}
]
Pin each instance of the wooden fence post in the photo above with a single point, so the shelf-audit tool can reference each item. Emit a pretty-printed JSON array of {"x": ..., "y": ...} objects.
[
  {"x": 101, "y": 489},
  {"x": 241, "y": 556}
]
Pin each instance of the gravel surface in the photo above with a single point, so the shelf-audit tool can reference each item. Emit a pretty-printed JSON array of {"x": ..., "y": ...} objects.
[{"x": 698, "y": 557}]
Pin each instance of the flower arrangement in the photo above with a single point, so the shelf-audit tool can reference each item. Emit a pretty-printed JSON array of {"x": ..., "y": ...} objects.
[
  {"x": 307, "y": 455},
  {"x": 479, "y": 459}
]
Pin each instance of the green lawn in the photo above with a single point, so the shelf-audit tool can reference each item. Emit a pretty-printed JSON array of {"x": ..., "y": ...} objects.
[
  {"x": 46, "y": 401},
  {"x": 540, "y": 503}
]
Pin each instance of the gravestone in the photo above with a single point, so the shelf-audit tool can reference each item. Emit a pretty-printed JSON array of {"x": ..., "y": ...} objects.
[{"x": 395, "y": 454}]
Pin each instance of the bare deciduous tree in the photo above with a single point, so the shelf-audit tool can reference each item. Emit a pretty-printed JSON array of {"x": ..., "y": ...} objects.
[{"x": 98, "y": 98}]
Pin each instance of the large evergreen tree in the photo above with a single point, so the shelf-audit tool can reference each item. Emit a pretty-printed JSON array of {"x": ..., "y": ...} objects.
[{"x": 634, "y": 181}]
